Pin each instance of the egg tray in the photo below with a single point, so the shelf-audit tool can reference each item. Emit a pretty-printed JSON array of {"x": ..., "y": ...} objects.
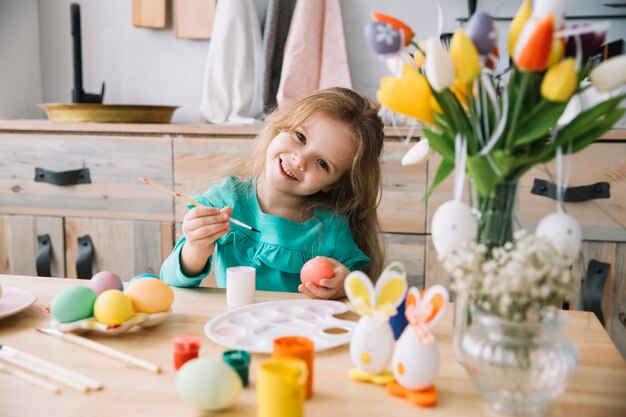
[
  {"x": 255, "y": 326},
  {"x": 136, "y": 322}
]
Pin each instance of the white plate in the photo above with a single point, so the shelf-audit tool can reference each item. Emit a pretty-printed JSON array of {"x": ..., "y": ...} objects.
[
  {"x": 136, "y": 322},
  {"x": 255, "y": 326},
  {"x": 14, "y": 300}
]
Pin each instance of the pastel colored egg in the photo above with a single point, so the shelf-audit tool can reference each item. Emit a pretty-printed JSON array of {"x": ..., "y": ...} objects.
[
  {"x": 208, "y": 384},
  {"x": 150, "y": 295},
  {"x": 482, "y": 31},
  {"x": 452, "y": 224},
  {"x": 140, "y": 276},
  {"x": 105, "y": 280},
  {"x": 383, "y": 38},
  {"x": 563, "y": 231},
  {"x": 74, "y": 303},
  {"x": 112, "y": 307},
  {"x": 316, "y": 270}
]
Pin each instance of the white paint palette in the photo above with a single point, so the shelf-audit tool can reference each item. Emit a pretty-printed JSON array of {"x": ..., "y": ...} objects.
[{"x": 255, "y": 326}]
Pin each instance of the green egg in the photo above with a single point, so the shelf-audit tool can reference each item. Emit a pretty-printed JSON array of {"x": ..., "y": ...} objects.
[
  {"x": 208, "y": 384},
  {"x": 74, "y": 303}
]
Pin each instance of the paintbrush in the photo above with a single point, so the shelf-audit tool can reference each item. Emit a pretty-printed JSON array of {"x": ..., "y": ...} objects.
[{"x": 192, "y": 201}]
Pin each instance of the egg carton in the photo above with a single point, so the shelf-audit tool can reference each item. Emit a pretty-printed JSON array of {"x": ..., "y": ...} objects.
[{"x": 136, "y": 322}]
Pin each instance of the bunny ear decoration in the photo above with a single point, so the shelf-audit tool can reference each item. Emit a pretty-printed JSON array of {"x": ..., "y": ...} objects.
[
  {"x": 430, "y": 308},
  {"x": 390, "y": 288},
  {"x": 359, "y": 290}
]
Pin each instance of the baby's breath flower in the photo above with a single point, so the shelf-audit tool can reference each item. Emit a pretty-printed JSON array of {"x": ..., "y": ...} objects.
[{"x": 522, "y": 280}]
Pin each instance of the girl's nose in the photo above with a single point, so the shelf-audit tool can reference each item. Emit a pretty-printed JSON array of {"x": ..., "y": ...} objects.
[{"x": 299, "y": 160}]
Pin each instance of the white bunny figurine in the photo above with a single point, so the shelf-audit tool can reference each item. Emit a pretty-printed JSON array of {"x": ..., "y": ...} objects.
[
  {"x": 415, "y": 359},
  {"x": 372, "y": 340}
]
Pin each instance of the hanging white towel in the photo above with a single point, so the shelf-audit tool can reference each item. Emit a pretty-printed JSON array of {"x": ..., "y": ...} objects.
[
  {"x": 233, "y": 70},
  {"x": 315, "y": 53}
]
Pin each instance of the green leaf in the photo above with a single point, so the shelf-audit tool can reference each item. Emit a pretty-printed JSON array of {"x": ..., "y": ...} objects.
[
  {"x": 538, "y": 126},
  {"x": 481, "y": 169},
  {"x": 444, "y": 169},
  {"x": 582, "y": 141},
  {"x": 441, "y": 145},
  {"x": 582, "y": 121}
]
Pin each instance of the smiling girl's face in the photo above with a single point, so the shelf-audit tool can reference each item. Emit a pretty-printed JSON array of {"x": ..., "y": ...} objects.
[{"x": 311, "y": 158}]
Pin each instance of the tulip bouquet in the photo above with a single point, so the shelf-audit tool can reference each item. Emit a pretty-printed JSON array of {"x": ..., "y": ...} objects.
[{"x": 508, "y": 121}]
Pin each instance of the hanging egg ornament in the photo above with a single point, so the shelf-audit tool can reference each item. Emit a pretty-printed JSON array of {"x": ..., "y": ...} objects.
[
  {"x": 383, "y": 38},
  {"x": 563, "y": 231},
  {"x": 482, "y": 31},
  {"x": 452, "y": 224}
]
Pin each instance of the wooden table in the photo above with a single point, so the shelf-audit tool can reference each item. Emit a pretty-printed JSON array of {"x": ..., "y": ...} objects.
[{"x": 598, "y": 388}]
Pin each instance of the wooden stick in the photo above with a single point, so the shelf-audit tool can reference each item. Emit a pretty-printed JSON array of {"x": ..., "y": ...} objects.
[
  {"x": 192, "y": 201},
  {"x": 103, "y": 349},
  {"x": 41, "y": 383},
  {"x": 78, "y": 386},
  {"x": 90, "y": 382}
]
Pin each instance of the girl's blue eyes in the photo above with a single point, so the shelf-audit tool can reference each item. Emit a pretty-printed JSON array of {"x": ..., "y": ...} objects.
[{"x": 321, "y": 162}]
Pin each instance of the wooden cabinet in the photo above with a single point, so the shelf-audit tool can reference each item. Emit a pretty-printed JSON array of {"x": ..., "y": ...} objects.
[{"x": 80, "y": 187}]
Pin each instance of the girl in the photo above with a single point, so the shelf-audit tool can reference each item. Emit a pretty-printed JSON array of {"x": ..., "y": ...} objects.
[{"x": 310, "y": 186}]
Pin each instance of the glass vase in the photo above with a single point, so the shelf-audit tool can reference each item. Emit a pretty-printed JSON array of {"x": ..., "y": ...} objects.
[
  {"x": 496, "y": 221},
  {"x": 496, "y": 213},
  {"x": 518, "y": 367}
]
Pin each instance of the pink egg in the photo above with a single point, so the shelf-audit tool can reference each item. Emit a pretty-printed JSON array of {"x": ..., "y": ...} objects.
[
  {"x": 315, "y": 270},
  {"x": 105, "y": 280}
]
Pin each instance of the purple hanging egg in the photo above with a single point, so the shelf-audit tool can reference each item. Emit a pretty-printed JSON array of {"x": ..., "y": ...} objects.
[
  {"x": 383, "y": 38},
  {"x": 482, "y": 31}
]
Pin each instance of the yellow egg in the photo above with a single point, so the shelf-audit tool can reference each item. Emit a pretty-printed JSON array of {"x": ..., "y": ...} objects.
[
  {"x": 150, "y": 295},
  {"x": 112, "y": 307}
]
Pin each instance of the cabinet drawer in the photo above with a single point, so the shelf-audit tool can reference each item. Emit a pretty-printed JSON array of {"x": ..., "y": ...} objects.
[
  {"x": 114, "y": 164},
  {"x": 198, "y": 163},
  {"x": 601, "y": 219}
]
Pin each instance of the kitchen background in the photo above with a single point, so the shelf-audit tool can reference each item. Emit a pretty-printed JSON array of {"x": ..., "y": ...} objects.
[{"x": 152, "y": 66}]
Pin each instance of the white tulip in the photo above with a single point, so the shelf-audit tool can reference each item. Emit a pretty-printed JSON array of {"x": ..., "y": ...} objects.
[
  {"x": 543, "y": 8},
  {"x": 609, "y": 74},
  {"x": 438, "y": 66},
  {"x": 418, "y": 153}
]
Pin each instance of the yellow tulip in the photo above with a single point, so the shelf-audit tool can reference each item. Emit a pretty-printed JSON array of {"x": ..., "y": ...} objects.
[
  {"x": 557, "y": 50},
  {"x": 520, "y": 19},
  {"x": 459, "y": 89},
  {"x": 434, "y": 104},
  {"x": 464, "y": 57},
  {"x": 409, "y": 95},
  {"x": 560, "y": 81}
]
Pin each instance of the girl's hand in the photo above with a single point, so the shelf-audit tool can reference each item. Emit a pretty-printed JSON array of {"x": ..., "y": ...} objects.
[
  {"x": 329, "y": 288},
  {"x": 202, "y": 226}
]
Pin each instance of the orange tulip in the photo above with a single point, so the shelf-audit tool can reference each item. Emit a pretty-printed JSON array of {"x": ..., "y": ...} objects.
[{"x": 533, "y": 46}]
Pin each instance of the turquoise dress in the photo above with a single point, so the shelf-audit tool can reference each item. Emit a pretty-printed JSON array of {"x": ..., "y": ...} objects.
[{"x": 277, "y": 253}]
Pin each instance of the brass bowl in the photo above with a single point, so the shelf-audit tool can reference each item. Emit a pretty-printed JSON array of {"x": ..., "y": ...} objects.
[{"x": 107, "y": 113}]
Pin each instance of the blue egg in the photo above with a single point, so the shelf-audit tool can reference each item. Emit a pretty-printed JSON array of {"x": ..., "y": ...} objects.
[
  {"x": 482, "y": 31},
  {"x": 140, "y": 276}
]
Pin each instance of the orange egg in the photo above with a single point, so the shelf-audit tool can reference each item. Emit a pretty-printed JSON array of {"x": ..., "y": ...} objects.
[
  {"x": 150, "y": 295},
  {"x": 315, "y": 270}
]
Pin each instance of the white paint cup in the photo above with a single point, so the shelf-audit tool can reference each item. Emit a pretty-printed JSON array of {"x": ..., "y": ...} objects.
[{"x": 240, "y": 285}]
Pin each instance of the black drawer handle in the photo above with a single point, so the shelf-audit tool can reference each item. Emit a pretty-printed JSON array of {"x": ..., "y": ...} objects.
[
  {"x": 77, "y": 176},
  {"x": 593, "y": 287},
  {"x": 44, "y": 256},
  {"x": 84, "y": 257},
  {"x": 572, "y": 194}
]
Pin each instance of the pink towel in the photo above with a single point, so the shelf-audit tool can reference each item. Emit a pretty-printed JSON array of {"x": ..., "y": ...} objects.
[{"x": 315, "y": 52}]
